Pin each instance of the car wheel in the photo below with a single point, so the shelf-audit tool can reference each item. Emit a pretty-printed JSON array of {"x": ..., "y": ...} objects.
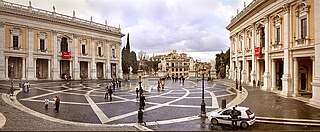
[
  {"x": 244, "y": 125},
  {"x": 214, "y": 121}
]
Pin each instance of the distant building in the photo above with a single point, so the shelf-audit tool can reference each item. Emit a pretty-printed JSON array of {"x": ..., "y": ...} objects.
[
  {"x": 39, "y": 44},
  {"x": 177, "y": 65}
]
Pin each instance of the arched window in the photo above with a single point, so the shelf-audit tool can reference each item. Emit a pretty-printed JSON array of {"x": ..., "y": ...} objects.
[
  {"x": 64, "y": 45},
  {"x": 262, "y": 37}
]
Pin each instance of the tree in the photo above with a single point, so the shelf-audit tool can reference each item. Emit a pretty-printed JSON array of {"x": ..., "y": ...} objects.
[
  {"x": 222, "y": 60},
  {"x": 128, "y": 58}
]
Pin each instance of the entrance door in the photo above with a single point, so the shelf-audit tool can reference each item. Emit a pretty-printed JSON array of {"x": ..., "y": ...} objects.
[
  {"x": 303, "y": 81},
  {"x": 100, "y": 70},
  {"x": 64, "y": 68},
  {"x": 83, "y": 69}
]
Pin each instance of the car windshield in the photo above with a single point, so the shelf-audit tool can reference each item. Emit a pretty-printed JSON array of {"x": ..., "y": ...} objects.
[
  {"x": 226, "y": 112},
  {"x": 249, "y": 112}
]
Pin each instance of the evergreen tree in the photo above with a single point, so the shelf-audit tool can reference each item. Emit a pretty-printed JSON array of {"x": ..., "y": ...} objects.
[{"x": 129, "y": 58}]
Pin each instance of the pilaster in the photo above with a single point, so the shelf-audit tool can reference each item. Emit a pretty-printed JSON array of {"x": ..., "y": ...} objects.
[
  {"x": 253, "y": 71},
  {"x": 55, "y": 62},
  {"x": 93, "y": 60},
  {"x": 76, "y": 64},
  {"x": 273, "y": 75},
  {"x": 295, "y": 78},
  {"x": 108, "y": 69},
  {"x": 316, "y": 80},
  {"x": 30, "y": 62},
  {"x": 2, "y": 45},
  {"x": 266, "y": 76},
  {"x": 286, "y": 78},
  {"x": 120, "y": 63},
  {"x": 244, "y": 68}
]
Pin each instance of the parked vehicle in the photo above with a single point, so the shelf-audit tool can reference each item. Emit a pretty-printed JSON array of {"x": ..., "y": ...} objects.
[{"x": 246, "y": 119}]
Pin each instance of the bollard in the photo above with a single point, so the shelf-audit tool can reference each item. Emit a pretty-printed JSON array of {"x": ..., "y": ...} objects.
[{"x": 223, "y": 103}]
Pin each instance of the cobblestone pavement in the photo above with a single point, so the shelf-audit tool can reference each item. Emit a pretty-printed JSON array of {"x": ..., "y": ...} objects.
[
  {"x": 85, "y": 104},
  {"x": 177, "y": 107}
]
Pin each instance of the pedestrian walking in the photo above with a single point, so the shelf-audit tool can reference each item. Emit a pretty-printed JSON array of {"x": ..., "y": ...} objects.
[
  {"x": 162, "y": 83},
  {"x": 183, "y": 80},
  {"x": 142, "y": 101},
  {"x": 158, "y": 85},
  {"x": 106, "y": 94},
  {"x": 113, "y": 84},
  {"x": 119, "y": 83},
  {"x": 137, "y": 92},
  {"x": 258, "y": 83},
  {"x": 57, "y": 103},
  {"x": 254, "y": 83},
  {"x": 234, "y": 117},
  {"x": 110, "y": 93},
  {"x": 46, "y": 103}
]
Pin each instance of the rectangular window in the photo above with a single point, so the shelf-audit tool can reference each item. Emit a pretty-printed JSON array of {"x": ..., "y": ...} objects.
[
  {"x": 262, "y": 37},
  {"x": 113, "y": 53},
  {"x": 304, "y": 28},
  {"x": 172, "y": 64},
  {"x": 172, "y": 69},
  {"x": 15, "y": 41},
  {"x": 278, "y": 35},
  {"x": 42, "y": 49},
  {"x": 83, "y": 49},
  {"x": 99, "y": 51}
]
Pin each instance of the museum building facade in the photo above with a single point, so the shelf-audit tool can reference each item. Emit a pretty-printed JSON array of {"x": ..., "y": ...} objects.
[
  {"x": 276, "y": 44},
  {"x": 39, "y": 44}
]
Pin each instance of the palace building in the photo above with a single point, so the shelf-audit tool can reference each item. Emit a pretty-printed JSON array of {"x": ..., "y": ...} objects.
[
  {"x": 39, "y": 44},
  {"x": 277, "y": 43}
]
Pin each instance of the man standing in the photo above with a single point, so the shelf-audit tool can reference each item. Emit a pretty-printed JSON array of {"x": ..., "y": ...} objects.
[
  {"x": 106, "y": 94},
  {"x": 234, "y": 117},
  {"x": 57, "y": 103},
  {"x": 110, "y": 93}
]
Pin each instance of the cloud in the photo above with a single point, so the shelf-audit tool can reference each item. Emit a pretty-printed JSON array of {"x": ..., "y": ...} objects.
[{"x": 157, "y": 26}]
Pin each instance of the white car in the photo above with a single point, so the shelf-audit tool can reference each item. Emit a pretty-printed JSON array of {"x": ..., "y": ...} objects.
[{"x": 247, "y": 117}]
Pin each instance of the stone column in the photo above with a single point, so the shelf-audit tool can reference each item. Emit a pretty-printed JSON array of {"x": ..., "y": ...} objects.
[
  {"x": 30, "y": 64},
  {"x": 23, "y": 68},
  {"x": 49, "y": 69},
  {"x": 243, "y": 72},
  {"x": 247, "y": 73},
  {"x": 266, "y": 76},
  {"x": 295, "y": 77},
  {"x": 108, "y": 72},
  {"x": 236, "y": 69},
  {"x": 89, "y": 70},
  {"x": 286, "y": 78},
  {"x": 76, "y": 64},
  {"x": 55, "y": 61},
  {"x": 93, "y": 60},
  {"x": 7, "y": 70},
  {"x": 3, "y": 66},
  {"x": 273, "y": 75},
  {"x": 231, "y": 66},
  {"x": 253, "y": 71},
  {"x": 35, "y": 68},
  {"x": 313, "y": 66},
  {"x": 120, "y": 62},
  {"x": 316, "y": 80},
  {"x": 104, "y": 71}
]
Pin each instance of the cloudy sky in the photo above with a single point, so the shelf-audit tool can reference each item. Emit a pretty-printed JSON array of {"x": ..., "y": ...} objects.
[{"x": 196, "y": 27}]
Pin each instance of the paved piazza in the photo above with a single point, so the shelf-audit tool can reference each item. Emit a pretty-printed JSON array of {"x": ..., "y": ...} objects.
[{"x": 86, "y": 103}]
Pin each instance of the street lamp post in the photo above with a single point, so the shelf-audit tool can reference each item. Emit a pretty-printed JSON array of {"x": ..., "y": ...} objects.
[
  {"x": 236, "y": 78},
  {"x": 203, "y": 105},
  {"x": 140, "y": 113}
]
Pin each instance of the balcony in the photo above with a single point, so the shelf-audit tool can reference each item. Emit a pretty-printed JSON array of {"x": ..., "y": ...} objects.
[
  {"x": 276, "y": 45},
  {"x": 302, "y": 42}
]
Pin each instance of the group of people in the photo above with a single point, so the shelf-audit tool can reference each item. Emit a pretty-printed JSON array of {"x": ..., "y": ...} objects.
[
  {"x": 116, "y": 83},
  {"x": 109, "y": 92},
  {"x": 160, "y": 84},
  {"x": 181, "y": 79},
  {"x": 56, "y": 100}
]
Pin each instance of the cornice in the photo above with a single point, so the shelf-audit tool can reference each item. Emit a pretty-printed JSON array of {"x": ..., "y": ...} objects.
[{"x": 55, "y": 18}]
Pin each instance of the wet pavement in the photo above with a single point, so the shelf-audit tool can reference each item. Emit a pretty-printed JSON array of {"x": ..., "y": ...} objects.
[{"x": 173, "y": 109}]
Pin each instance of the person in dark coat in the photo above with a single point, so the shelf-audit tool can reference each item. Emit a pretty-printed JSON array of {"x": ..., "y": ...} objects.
[
  {"x": 106, "y": 94},
  {"x": 183, "y": 80},
  {"x": 110, "y": 93},
  {"x": 57, "y": 103},
  {"x": 142, "y": 101},
  {"x": 234, "y": 117},
  {"x": 137, "y": 92}
]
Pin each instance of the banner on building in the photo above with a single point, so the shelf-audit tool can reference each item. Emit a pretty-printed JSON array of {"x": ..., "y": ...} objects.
[
  {"x": 257, "y": 51},
  {"x": 66, "y": 55}
]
